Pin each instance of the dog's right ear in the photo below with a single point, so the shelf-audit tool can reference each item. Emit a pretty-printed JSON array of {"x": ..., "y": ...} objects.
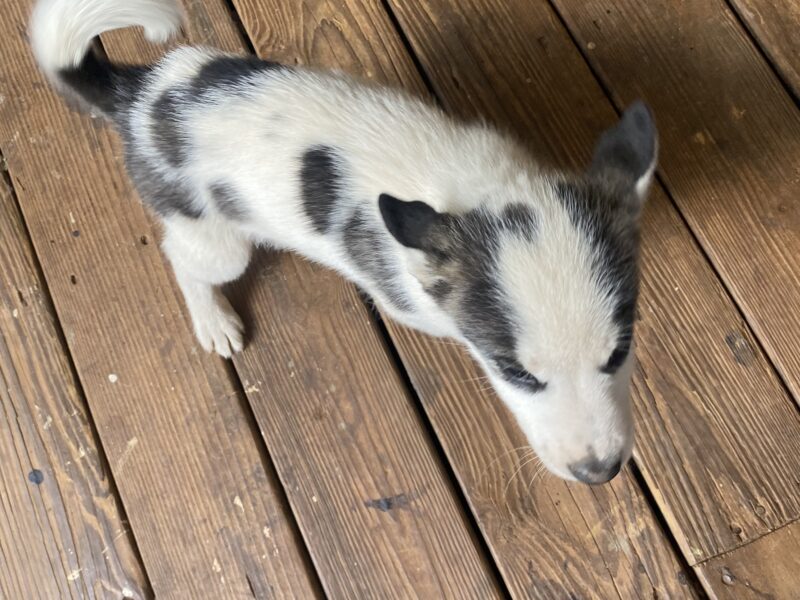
[
  {"x": 415, "y": 225},
  {"x": 629, "y": 148}
]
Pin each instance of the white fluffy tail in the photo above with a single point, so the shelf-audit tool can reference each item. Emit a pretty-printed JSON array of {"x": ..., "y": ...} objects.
[{"x": 62, "y": 30}]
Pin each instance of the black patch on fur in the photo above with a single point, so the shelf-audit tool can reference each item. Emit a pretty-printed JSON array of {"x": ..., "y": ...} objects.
[
  {"x": 228, "y": 201},
  {"x": 606, "y": 217},
  {"x": 103, "y": 85},
  {"x": 227, "y": 74},
  {"x": 165, "y": 197},
  {"x": 320, "y": 185},
  {"x": 440, "y": 290},
  {"x": 519, "y": 219},
  {"x": 230, "y": 72},
  {"x": 368, "y": 247},
  {"x": 166, "y": 127},
  {"x": 629, "y": 147},
  {"x": 484, "y": 315}
]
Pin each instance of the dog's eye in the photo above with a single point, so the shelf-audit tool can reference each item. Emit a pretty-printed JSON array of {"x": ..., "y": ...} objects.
[
  {"x": 616, "y": 359},
  {"x": 516, "y": 374}
]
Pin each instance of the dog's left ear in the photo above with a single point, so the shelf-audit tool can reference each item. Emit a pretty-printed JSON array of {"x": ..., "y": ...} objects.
[
  {"x": 414, "y": 224},
  {"x": 423, "y": 233},
  {"x": 629, "y": 149}
]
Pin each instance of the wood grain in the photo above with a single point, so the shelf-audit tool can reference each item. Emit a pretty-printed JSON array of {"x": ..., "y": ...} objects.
[
  {"x": 553, "y": 542},
  {"x": 62, "y": 531},
  {"x": 194, "y": 484},
  {"x": 371, "y": 496},
  {"x": 775, "y": 24},
  {"x": 717, "y": 434},
  {"x": 370, "y": 493},
  {"x": 730, "y": 139},
  {"x": 766, "y": 569}
]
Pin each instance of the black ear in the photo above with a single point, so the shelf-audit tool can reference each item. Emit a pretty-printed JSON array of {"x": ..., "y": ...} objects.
[
  {"x": 629, "y": 148},
  {"x": 413, "y": 224}
]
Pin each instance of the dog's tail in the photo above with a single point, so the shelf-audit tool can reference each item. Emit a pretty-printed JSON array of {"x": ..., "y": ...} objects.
[{"x": 62, "y": 32}]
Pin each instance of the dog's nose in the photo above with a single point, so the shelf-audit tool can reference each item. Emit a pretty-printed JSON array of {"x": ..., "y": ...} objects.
[{"x": 594, "y": 471}]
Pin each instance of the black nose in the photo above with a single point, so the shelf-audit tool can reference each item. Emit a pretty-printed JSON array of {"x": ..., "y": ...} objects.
[{"x": 594, "y": 471}]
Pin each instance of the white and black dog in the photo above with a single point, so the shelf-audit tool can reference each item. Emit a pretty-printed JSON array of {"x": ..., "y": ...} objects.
[{"x": 452, "y": 228}]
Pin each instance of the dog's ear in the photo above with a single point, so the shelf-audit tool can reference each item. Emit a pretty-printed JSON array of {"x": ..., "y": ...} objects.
[
  {"x": 415, "y": 225},
  {"x": 424, "y": 234},
  {"x": 629, "y": 149}
]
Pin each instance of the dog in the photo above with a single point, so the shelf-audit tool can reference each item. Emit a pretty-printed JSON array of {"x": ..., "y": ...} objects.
[{"x": 452, "y": 228}]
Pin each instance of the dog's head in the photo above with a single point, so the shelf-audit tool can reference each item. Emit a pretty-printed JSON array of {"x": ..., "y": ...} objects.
[{"x": 541, "y": 281}]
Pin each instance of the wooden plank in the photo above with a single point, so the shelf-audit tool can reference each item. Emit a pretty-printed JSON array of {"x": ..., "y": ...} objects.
[
  {"x": 767, "y": 568},
  {"x": 62, "y": 531},
  {"x": 371, "y": 496},
  {"x": 717, "y": 434},
  {"x": 731, "y": 145},
  {"x": 194, "y": 484},
  {"x": 370, "y": 493},
  {"x": 775, "y": 25},
  {"x": 558, "y": 540}
]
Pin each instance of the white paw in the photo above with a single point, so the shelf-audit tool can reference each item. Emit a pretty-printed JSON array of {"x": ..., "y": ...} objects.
[{"x": 218, "y": 328}]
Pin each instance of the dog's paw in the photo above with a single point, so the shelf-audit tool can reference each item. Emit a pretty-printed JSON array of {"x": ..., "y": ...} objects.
[{"x": 218, "y": 328}]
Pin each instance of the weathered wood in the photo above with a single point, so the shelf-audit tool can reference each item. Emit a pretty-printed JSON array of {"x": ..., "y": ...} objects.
[
  {"x": 62, "y": 532},
  {"x": 548, "y": 543},
  {"x": 730, "y": 139},
  {"x": 767, "y": 568},
  {"x": 717, "y": 434},
  {"x": 206, "y": 512},
  {"x": 370, "y": 494},
  {"x": 776, "y": 26}
]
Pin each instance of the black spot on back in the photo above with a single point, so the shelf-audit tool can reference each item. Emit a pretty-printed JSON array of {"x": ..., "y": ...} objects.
[
  {"x": 230, "y": 72},
  {"x": 36, "y": 476},
  {"x": 167, "y": 129},
  {"x": 228, "y": 201},
  {"x": 368, "y": 247},
  {"x": 320, "y": 185},
  {"x": 165, "y": 197}
]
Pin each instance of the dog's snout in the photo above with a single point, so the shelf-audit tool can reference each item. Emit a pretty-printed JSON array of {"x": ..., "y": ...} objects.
[{"x": 594, "y": 471}]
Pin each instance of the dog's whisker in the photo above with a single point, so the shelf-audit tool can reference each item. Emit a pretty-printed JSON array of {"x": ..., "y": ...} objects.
[
  {"x": 501, "y": 456},
  {"x": 540, "y": 471},
  {"x": 519, "y": 469}
]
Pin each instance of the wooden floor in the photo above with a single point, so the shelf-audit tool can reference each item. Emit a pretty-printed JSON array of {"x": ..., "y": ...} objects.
[{"x": 342, "y": 457}]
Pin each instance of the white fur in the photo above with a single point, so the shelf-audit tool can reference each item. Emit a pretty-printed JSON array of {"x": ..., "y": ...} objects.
[{"x": 61, "y": 31}]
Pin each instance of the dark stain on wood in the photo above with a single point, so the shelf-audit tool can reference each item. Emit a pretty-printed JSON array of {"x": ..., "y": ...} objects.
[
  {"x": 742, "y": 351},
  {"x": 389, "y": 502}
]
